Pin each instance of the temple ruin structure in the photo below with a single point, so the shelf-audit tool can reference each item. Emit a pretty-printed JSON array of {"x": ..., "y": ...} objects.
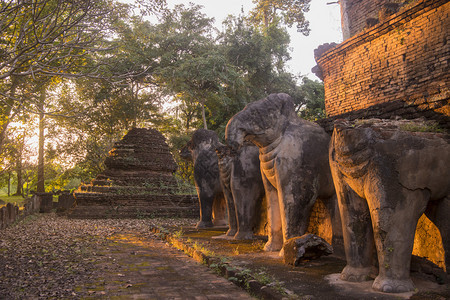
[
  {"x": 137, "y": 182},
  {"x": 394, "y": 61}
]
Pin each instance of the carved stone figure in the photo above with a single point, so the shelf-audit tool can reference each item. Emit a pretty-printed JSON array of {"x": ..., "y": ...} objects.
[
  {"x": 201, "y": 149},
  {"x": 294, "y": 163},
  {"x": 385, "y": 179},
  {"x": 243, "y": 188}
]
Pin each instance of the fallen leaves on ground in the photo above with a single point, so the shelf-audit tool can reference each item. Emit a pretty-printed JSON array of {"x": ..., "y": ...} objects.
[{"x": 46, "y": 256}]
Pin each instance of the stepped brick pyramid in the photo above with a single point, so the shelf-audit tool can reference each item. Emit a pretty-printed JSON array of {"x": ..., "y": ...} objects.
[{"x": 138, "y": 182}]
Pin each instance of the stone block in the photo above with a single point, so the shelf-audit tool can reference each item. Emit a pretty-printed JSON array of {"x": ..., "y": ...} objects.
[
  {"x": 11, "y": 213},
  {"x": 65, "y": 202},
  {"x": 46, "y": 202},
  {"x": 2, "y": 217},
  {"x": 306, "y": 247}
]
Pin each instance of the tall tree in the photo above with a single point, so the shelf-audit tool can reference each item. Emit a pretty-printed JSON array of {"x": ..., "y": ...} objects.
[
  {"x": 19, "y": 165},
  {"x": 40, "y": 172},
  {"x": 48, "y": 38},
  {"x": 192, "y": 66},
  {"x": 290, "y": 12}
]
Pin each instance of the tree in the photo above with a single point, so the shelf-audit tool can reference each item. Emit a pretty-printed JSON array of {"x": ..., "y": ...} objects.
[
  {"x": 312, "y": 94},
  {"x": 50, "y": 36},
  {"x": 44, "y": 41},
  {"x": 192, "y": 68},
  {"x": 44, "y": 37},
  {"x": 290, "y": 12},
  {"x": 260, "y": 56},
  {"x": 54, "y": 38}
]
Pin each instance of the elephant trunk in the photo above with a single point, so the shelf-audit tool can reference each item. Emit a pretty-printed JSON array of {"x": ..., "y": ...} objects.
[
  {"x": 186, "y": 154},
  {"x": 234, "y": 133}
]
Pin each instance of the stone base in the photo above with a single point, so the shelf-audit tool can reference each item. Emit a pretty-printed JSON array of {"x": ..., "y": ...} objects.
[{"x": 137, "y": 206}]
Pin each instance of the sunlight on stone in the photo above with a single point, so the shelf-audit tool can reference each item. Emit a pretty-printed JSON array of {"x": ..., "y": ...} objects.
[{"x": 428, "y": 242}]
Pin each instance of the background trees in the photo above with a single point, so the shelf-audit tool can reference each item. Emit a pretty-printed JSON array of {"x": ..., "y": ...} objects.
[
  {"x": 93, "y": 70},
  {"x": 289, "y": 12}
]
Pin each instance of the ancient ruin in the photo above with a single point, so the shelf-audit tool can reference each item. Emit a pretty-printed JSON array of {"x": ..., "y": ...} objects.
[
  {"x": 138, "y": 182},
  {"x": 294, "y": 163},
  {"x": 201, "y": 149},
  {"x": 387, "y": 173},
  {"x": 394, "y": 60}
]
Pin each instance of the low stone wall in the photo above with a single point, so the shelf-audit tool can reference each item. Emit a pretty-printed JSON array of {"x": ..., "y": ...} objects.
[{"x": 12, "y": 213}]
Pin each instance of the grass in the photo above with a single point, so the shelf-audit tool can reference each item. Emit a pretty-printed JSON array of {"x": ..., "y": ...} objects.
[
  {"x": 421, "y": 127},
  {"x": 19, "y": 200}
]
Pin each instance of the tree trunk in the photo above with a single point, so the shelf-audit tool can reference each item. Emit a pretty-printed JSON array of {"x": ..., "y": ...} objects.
[
  {"x": 204, "y": 117},
  {"x": 40, "y": 173},
  {"x": 9, "y": 183},
  {"x": 8, "y": 112},
  {"x": 19, "y": 190}
]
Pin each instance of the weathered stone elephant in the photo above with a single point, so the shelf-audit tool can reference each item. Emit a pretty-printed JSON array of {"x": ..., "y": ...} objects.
[
  {"x": 294, "y": 163},
  {"x": 201, "y": 149},
  {"x": 385, "y": 179},
  {"x": 243, "y": 188}
]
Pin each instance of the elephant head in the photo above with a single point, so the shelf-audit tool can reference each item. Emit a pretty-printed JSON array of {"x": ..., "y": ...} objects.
[
  {"x": 261, "y": 122},
  {"x": 202, "y": 140}
]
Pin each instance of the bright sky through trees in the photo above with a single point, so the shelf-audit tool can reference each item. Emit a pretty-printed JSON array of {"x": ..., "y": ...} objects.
[{"x": 324, "y": 24}]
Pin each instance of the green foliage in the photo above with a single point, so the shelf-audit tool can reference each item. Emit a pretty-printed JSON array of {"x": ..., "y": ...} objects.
[
  {"x": 312, "y": 94},
  {"x": 19, "y": 200},
  {"x": 92, "y": 97},
  {"x": 290, "y": 12},
  {"x": 421, "y": 127}
]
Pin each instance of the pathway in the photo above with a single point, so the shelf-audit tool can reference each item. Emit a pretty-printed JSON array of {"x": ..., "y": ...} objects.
[{"x": 46, "y": 256}]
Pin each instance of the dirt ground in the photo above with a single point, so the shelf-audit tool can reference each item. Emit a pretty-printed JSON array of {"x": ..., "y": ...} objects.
[{"x": 46, "y": 256}]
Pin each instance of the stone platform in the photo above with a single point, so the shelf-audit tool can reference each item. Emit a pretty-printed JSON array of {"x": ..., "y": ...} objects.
[{"x": 138, "y": 182}]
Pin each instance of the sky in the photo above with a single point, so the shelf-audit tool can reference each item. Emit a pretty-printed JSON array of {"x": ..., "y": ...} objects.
[{"x": 325, "y": 25}]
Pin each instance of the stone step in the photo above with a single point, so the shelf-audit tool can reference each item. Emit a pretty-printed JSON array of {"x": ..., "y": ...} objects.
[
  {"x": 120, "y": 212},
  {"x": 128, "y": 190},
  {"x": 135, "y": 199}
]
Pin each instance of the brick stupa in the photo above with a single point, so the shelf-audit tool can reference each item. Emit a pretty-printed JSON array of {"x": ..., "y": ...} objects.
[{"x": 138, "y": 182}]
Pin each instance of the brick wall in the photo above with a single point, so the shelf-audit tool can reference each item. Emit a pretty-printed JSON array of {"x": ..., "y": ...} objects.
[
  {"x": 357, "y": 15},
  {"x": 325, "y": 222},
  {"x": 406, "y": 58}
]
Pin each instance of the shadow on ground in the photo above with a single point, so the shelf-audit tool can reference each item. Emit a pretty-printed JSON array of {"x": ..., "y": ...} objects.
[{"x": 265, "y": 275}]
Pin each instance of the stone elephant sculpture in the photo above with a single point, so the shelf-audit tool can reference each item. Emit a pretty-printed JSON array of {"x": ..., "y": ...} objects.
[
  {"x": 385, "y": 179},
  {"x": 201, "y": 149},
  {"x": 294, "y": 163},
  {"x": 243, "y": 188}
]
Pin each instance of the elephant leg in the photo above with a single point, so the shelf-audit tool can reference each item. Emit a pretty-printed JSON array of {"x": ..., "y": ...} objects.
[
  {"x": 206, "y": 203},
  {"x": 232, "y": 222},
  {"x": 245, "y": 206},
  {"x": 438, "y": 212},
  {"x": 357, "y": 233},
  {"x": 275, "y": 241},
  {"x": 297, "y": 198},
  {"x": 394, "y": 218},
  {"x": 219, "y": 210}
]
